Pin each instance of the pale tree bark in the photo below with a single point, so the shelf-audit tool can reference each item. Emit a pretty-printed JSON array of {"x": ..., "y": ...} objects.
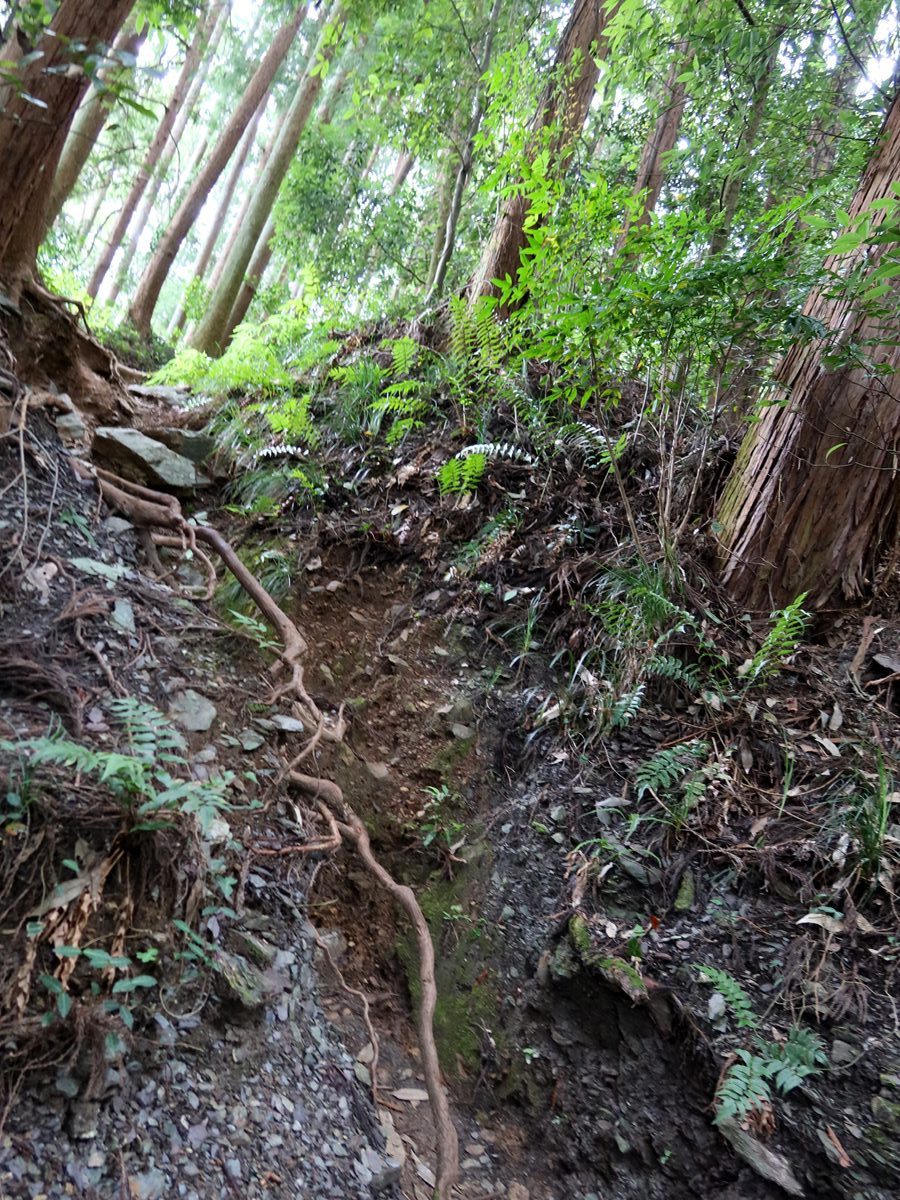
[
  {"x": 163, "y": 132},
  {"x": 812, "y": 503},
  {"x": 464, "y": 168},
  {"x": 560, "y": 114},
  {"x": 111, "y": 290},
  {"x": 92, "y": 211},
  {"x": 444, "y": 192},
  {"x": 210, "y": 333},
  {"x": 32, "y": 139},
  {"x": 162, "y": 170},
  {"x": 218, "y": 223},
  {"x": 338, "y": 82},
  {"x": 157, "y": 270},
  {"x": 661, "y": 141},
  {"x": 88, "y": 124},
  {"x": 240, "y": 220},
  {"x": 262, "y": 256}
]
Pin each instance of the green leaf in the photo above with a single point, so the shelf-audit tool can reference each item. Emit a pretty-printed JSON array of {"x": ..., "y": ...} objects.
[{"x": 130, "y": 985}]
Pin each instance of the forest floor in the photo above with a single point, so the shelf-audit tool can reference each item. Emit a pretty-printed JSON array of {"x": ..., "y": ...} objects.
[{"x": 576, "y": 884}]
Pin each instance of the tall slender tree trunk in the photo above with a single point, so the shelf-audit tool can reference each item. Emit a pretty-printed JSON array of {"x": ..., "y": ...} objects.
[
  {"x": 812, "y": 504},
  {"x": 240, "y": 220},
  {"x": 560, "y": 113},
  {"x": 160, "y": 138},
  {"x": 445, "y": 188},
  {"x": 262, "y": 256},
  {"x": 661, "y": 141},
  {"x": 162, "y": 170},
  {"x": 92, "y": 211},
  {"x": 140, "y": 225},
  {"x": 30, "y": 148},
  {"x": 218, "y": 222},
  {"x": 147, "y": 294},
  {"x": 464, "y": 170},
  {"x": 88, "y": 125},
  {"x": 209, "y": 334}
]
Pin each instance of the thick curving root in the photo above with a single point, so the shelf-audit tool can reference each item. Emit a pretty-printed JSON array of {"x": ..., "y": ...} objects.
[{"x": 156, "y": 510}]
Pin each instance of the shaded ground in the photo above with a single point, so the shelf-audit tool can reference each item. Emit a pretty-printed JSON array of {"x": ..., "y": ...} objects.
[{"x": 572, "y": 891}]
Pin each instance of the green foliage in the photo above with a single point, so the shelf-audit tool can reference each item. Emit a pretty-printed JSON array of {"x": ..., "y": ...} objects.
[
  {"x": 739, "y": 1003},
  {"x": 150, "y": 795},
  {"x": 782, "y": 640},
  {"x": 746, "y": 1089},
  {"x": 465, "y": 470},
  {"x": 666, "y": 768}
]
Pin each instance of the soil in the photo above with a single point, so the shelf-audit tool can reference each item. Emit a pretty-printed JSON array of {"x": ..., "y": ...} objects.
[{"x": 571, "y": 912}]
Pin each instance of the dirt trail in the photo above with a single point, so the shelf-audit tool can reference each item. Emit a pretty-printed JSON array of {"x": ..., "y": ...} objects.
[{"x": 581, "y": 1048}]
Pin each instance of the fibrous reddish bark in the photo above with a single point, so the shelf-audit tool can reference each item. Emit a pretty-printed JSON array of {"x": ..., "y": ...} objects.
[
  {"x": 32, "y": 138},
  {"x": 812, "y": 504}
]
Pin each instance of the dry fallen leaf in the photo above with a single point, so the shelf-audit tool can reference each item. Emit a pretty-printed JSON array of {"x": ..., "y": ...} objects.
[{"x": 410, "y": 1094}]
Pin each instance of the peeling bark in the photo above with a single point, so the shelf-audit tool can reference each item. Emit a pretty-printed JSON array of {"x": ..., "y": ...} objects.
[{"x": 813, "y": 502}]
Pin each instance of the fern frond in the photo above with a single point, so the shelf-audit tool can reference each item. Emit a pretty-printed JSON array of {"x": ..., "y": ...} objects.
[
  {"x": 739, "y": 1003},
  {"x": 665, "y": 768}
]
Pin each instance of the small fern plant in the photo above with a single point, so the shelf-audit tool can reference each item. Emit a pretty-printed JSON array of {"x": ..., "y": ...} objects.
[
  {"x": 782, "y": 640},
  {"x": 149, "y": 793},
  {"x": 745, "y": 1091},
  {"x": 465, "y": 470}
]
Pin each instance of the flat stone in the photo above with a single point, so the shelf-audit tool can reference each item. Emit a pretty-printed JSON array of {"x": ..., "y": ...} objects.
[
  {"x": 147, "y": 458},
  {"x": 285, "y": 723},
  {"x": 190, "y": 443},
  {"x": 463, "y": 732},
  {"x": 123, "y": 615},
  {"x": 192, "y": 711},
  {"x": 842, "y": 1053},
  {"x": 117, "y": 525},
  {"x": 250, "y": 739},
  {"x": 149, "y": 1185},
  {"x": 71, "y": 427},
  {"x": 384, "y": 1171},
  {"x": 173, "y": 396}
]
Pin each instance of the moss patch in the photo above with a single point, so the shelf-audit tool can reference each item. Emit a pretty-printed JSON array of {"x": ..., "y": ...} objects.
[{"x": 466, "y": 999}]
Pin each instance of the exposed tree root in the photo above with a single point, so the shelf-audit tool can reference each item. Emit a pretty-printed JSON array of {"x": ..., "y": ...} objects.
[
  {"x": 152, "y": 509},
  {"x": 354, "y": 831}
]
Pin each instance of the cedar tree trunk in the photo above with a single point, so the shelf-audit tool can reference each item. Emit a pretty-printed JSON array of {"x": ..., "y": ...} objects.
[
  {"x": 210, "y": 334},
  {"x": 32, "y": 138},
  {"x": 813, "y": 500},
  {"x": 561, "y": 111},
  {"x": 160, "y": 140},
  {"x": 88, "y": 125}
]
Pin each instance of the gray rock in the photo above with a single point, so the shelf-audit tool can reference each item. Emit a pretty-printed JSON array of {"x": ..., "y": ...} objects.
[
  {"x": 71, "y": 427},
  {"x": 117, "y": 525},
  {"x": 149, "y": 1185},
  {"x": 463, "y": 732},
  {"x": 150, "y": 460},
  {"x": 188, "y": 442},
  {"x": 123, "y": 615},
  {"x": 250, "y": 739},
  {"x": 384, "y": 1171},
  {"x": 842, "y": 1053},
  {"x": 286, "y": 724},
  {"x": 173, "y": 396},
  {"x": 192, "y": 711}
]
